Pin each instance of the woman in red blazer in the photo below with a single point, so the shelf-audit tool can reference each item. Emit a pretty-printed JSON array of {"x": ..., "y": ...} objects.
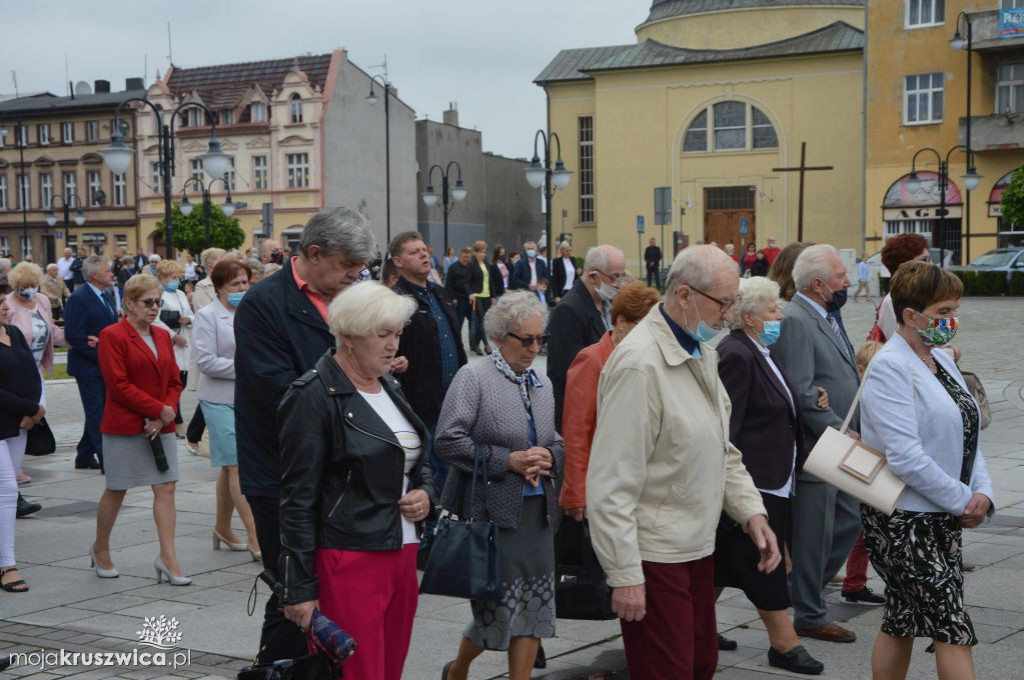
[{"x": 143, "y": 386}]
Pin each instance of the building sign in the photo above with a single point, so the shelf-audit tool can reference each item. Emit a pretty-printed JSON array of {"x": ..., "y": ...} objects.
[
  {"x": 94, "y": 238},
  {"x": 953, "y": 212},
  {"x": 1011, "y": 22},
  {"x": 995, "y": 199}
]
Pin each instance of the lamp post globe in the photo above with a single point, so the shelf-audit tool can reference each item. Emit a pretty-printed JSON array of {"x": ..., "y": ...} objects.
[
  {"x": 185, "y": 206},
  {"x": 79, "y": 218},
  {"x": 216, "y": 163},
  {"x": 228, "y": 208},
  {"x": 459, "y": 191},
  {"x": 560, "y": 176},
  {"x": 51, "y": 219},
  {"x": 117, "y": 157},
  {"x": 429, "y": 196},
  {"x": 971, "y": 178},
  {"x": 535, "y": 173}
]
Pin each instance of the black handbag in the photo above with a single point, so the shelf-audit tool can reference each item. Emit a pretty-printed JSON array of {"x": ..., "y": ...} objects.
[
  {"x": 40, "y": 440},
  {"x": 464, "y": 557},
  {"x": 171, "y": 318},
  {"x": 309, "y": 667},
  {"x": 581, "y": 589}
]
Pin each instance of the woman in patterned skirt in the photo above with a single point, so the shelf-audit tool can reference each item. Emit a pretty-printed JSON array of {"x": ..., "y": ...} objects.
[
  {"x": 917, "y": 410},
  {"x": 501, "y": 407}
]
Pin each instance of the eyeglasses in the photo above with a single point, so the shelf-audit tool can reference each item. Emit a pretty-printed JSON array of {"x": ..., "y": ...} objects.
[
  {"x": 724, "y": 305},
  {"x": 528, "y": 341},
  {"x": 150, "y": 303},
  {"x": 616, "y": 277}
]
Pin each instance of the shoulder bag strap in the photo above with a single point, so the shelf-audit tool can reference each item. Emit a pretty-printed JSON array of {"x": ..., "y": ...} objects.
[{"x": 856, "y": 400}]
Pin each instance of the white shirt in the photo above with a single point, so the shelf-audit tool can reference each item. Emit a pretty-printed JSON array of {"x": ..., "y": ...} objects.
[
  {"x": 409, "y": 439},
  {"x": 178, "y": 302},
  {"x": 785, "y": 490},
  {"x": 64, "y": 268},
  {"x": 533, "y": 272},
  {"x": 570, "y": 272}
]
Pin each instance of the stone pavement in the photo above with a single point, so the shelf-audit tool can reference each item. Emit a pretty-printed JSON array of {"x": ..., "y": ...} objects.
[{"x": 70, "y": 609}]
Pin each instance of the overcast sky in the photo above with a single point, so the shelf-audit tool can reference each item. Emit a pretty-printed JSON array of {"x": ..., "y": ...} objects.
[{"x": 482, "y": 54}]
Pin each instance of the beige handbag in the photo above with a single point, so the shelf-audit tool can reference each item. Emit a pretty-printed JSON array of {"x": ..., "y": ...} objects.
[{"x": 854, "y": 467}]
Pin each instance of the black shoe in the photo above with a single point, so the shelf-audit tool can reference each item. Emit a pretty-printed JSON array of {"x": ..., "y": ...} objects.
[
  {"x": 796, "y": 660},
  {"x": 725, "y": 644},
  {"x": 542, "y": 660},
  {"x": 26, "y": 508},
  {"x": 87, "y": 464},
  {"x": 863, "y": 596},
  {"x": 444, "y": 671}
]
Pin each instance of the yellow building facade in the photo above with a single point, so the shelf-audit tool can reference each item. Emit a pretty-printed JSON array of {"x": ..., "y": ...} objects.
[
  {"x": 917, "y": 98},
  {"x": 713, "y": 101}
]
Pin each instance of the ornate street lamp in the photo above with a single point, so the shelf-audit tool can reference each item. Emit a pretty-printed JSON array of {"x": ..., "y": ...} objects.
[
  {"x": 449, "y": 196},
  {"x": 51, "y": 218},
  {"x": 960, "y": 42},
  {"x": 373, "y": 99},
  {"x": 538, "y": 175},
  {"x": 227, "y": 207},
  {"x": 971, "y": 178}
]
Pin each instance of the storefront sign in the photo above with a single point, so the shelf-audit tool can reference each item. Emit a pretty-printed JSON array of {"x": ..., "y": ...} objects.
[
  {"x": 94, "y": 238},
  {"x": 995, "y": 209},
  {"x": 954, "y": 212},
  {"x": 1011, "y": 22}
]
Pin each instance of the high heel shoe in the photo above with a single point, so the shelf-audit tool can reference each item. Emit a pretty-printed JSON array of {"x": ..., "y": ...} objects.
[
  {"x": 256, "y": 556},
  {"x": 162, "y": 570},
  {"x": 100, "y": 571},
  {"x": 218, "y": 539}
]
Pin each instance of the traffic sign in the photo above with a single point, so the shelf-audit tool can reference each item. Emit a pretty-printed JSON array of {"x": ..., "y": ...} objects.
[
  {"x": 639, "y": 224},
  {"x": 744, "y": 227},
  {"x": 60, "y": 235}
]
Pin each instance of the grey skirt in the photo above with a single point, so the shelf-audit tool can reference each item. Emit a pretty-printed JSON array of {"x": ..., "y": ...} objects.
[
  {"x": 128, "y": 461},
  {"x": 527, "y": 607}
]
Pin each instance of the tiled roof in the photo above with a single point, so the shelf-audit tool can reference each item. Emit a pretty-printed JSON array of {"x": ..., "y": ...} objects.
[
  {"x": 42, "y": 104},
  {"x": 664, "y": 9},
  {"x": 221, "y": 86},
  {"x": 568, "y": 64}
]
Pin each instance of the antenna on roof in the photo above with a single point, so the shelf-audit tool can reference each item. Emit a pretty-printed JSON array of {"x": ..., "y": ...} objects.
[
  {"x": 145, "y": 68},
  {"x": 67, "y": 76},
  {"x": 170, "y": 58},
  {"x": 14, "y": 81}
]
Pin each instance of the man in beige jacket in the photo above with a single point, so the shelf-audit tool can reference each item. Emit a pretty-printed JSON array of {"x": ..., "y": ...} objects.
[{"x": 664, "y": 469}]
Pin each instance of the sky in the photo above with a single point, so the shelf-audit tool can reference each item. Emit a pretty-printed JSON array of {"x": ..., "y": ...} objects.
[{"x": 481, "y": 54}]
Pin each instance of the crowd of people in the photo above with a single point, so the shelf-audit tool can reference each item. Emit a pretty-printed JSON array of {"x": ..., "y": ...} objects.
[{"x": 344, "y": 416}]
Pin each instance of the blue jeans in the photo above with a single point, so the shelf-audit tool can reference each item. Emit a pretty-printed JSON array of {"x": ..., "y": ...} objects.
[
  {"x": 93, "y": 392},
  {"x": 439, "y": 469}
]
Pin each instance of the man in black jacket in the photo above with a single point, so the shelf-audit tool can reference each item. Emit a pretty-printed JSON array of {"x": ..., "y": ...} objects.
[
  {"x": 652, "y": 257},
  {"x": 528, "y": 270},
  {"x": 280, "y": 332},
  {"x": 459, "y": 286},
  {"x": 583, "y": 315},
  {"x": 430, "y": 344}
]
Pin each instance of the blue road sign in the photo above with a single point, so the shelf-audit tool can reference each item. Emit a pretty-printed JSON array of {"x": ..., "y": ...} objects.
[
  {"x": 639, "y": 224},
  {"x": 60, "y": 235},
  {"x": 744, "y": 227}
]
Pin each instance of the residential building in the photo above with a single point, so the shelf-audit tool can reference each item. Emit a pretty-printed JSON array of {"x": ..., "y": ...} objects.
[
  {"x": 917, "y": 99},
  {"x": 61, "y": 137},
  {"x": 715, "y": 100}
]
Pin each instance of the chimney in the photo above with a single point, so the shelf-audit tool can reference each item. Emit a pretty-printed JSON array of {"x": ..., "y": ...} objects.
[
  {"x": 101, "y": 86},
  {"x": 133, "y": 84},
  {"x": 451, "y": 116}
]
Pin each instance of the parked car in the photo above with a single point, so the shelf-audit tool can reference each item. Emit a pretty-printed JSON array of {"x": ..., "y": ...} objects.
[{"x": 1006, "y": 260}]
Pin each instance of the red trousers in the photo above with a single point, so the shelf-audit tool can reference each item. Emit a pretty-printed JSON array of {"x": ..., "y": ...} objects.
[
  {"x": 856, "y": 567},
  {"x": 677, "y": 638},
  {"x": 372, "y": 595}
]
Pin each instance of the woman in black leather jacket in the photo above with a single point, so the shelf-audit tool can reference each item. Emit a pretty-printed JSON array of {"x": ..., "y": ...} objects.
[{"x": 356, "y": 485}]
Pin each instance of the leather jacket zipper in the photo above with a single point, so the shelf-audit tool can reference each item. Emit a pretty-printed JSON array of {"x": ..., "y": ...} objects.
[
  {"x": 375, "y": 436},
  {"x": 287, "y": 572},
  {"x": 344, "y": 491}
]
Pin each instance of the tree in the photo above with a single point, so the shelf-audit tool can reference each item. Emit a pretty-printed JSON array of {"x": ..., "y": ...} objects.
[
  {"x": 1013, "y": 199},
  {"x": 190, "y": 232}
]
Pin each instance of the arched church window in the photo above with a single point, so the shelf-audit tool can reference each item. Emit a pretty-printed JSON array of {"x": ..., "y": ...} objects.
[
  {"x": 730, "y": 126},
  {"x": 764, "y": 132},
  {"x": 697, "y": 136}
]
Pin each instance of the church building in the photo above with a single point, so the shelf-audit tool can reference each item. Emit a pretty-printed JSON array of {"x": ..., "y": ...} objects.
[{"x": 722, "y": 101}]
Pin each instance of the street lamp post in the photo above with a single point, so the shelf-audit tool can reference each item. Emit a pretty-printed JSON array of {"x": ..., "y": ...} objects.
[
  {"x": 51, "y": 218},
  {"x": 971, "y": 179},
  {"x": 118, "y": 157},
  {"x": 22, "y": 195},
  {"x": 456, "y": 194},
  {"x": 959, "y": 42},
  {"x": 228, "y": 207},
  {"x": 538, "y": 176},
  {"x": 372, "y": 98}
]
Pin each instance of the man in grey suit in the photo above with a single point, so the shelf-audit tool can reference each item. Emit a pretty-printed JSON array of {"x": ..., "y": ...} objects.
[{"x": 816, "y": 352}]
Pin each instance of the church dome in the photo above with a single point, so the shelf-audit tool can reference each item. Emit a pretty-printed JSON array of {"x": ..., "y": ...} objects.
[{"x": 665, "y": 9}]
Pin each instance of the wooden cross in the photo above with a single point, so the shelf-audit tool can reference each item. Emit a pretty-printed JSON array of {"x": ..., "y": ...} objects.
[{"x": 803, "y": 168}]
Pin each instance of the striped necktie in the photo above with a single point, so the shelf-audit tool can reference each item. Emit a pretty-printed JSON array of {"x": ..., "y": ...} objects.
[{"x": 843, "y": 342}]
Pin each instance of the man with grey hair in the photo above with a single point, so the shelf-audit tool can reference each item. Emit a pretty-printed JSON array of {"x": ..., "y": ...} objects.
[
  {"x": 663, "y": 466},
  {"x": 271, "y": 251},
  {"x": 528, "y": 270},
  {"x": 91, "y": 308},
  {"x": 280, "y": 333},
  {"x": 583, "y": 316},
  {"x": 55, "y": 289},
  {"x": 816, "y": 352}
]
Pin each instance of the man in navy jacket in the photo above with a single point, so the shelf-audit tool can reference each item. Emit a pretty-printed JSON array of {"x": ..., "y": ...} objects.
[
  {"x": 90, "y": 309},
  {"x": 529, "y": 270}
]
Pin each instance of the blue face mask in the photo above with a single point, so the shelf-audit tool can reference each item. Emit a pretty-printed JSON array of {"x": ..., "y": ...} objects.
[
  {"x": 28, "y": 293},
  {"x": 770, "y": 334},
  {"x": 235, "y": 299},
  {"x": 171, "y": 286},
  {"x": 531, "y": 253},
  {"x": 704, "y": 332}
]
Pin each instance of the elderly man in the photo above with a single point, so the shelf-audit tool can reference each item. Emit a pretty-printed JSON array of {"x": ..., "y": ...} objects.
[
  {"x": 664, "y": 469},
  {"x": 280, "y": 333},
  {"x": 53, "y": 287},
  {"x": 529, "y": 269},
  {"x": 583, "y": 316},
  {"x": 5, "y": 270},
  {"x": 64, "y": 269},
  {"x": 817, "y": 353},
  {"x": 271, "y": 251},
  {"x": 652, "y": 258},
  {"x": 90, "y": 309},
  {"x": 563, "y": 272}
]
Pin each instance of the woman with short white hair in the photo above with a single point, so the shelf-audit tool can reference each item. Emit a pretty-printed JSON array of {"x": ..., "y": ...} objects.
[
  {"x": 356, "y": 485},
  {"x": 501, "y": 409},
  {"x": 765, "y": 424}
]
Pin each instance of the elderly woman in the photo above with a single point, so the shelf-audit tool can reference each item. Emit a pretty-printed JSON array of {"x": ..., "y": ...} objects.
[
  {"x": 765, "y": 425},
  {"x": 781, "y": 270},
  {"x": 502, "y": 408},
  {"x": 214, "y": 351},
  {"x": 143, "y": 386},
  {"x": 629, "y": 306},
  {"x": 356, "y": 485},
  {"x": 21, "y": 407},
  {"x": 176, "y": 318},
  {"x": 917, "y": 411}
]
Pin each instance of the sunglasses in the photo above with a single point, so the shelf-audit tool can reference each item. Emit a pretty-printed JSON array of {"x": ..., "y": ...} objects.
[
  {"x": 150, "y": 303},
  {"x": 527, "y": 342}
]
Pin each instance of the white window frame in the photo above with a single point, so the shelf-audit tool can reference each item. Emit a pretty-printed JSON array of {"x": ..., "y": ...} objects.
[
  {"x": 119, "y": 186},
  {"x": 585, "y": 180},
  {"x": 45, "y": 190},
  {"x": 260, "y": 172},
  {"x": 196, "y": 117},
  {"x": 910, "y": 25},
  {"x": 197, "y": 169},
  {"x": 929, "y": 92},
  {"x": 94, "y": 182},
  {"x": 43, "y": 130},
  {"x": 298, "y": 170},
  {"x": 3, "y": 136},
  {"x": 896, "y": 227},
  {"x": 5, "y": 246},
  {"x": 229, "y": 176},
  {"x": 226, "y": 117},
  {"x": 157, "y": 180},
  {"x": 67, "y": 133},
  {"x": 24, "y": 191},
  {"x": 3, "y": 192},
  {"x": 22, "y": 135},
  {"x": 70, "y": 188},
  {"x": 92, "y": 130},
  {"x": 121, "y": 240},
  {"x": 26, "y": 245},
  {"x": 258, "y": 106},
  {"x": 1013, "y": 84},
  {"x": 295, "y": 108}
]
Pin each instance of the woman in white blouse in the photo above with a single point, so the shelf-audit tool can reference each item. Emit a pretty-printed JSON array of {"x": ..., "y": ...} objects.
[
  {"x": 176, "y": 318},
  {"x": 214, "y": 350}
]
